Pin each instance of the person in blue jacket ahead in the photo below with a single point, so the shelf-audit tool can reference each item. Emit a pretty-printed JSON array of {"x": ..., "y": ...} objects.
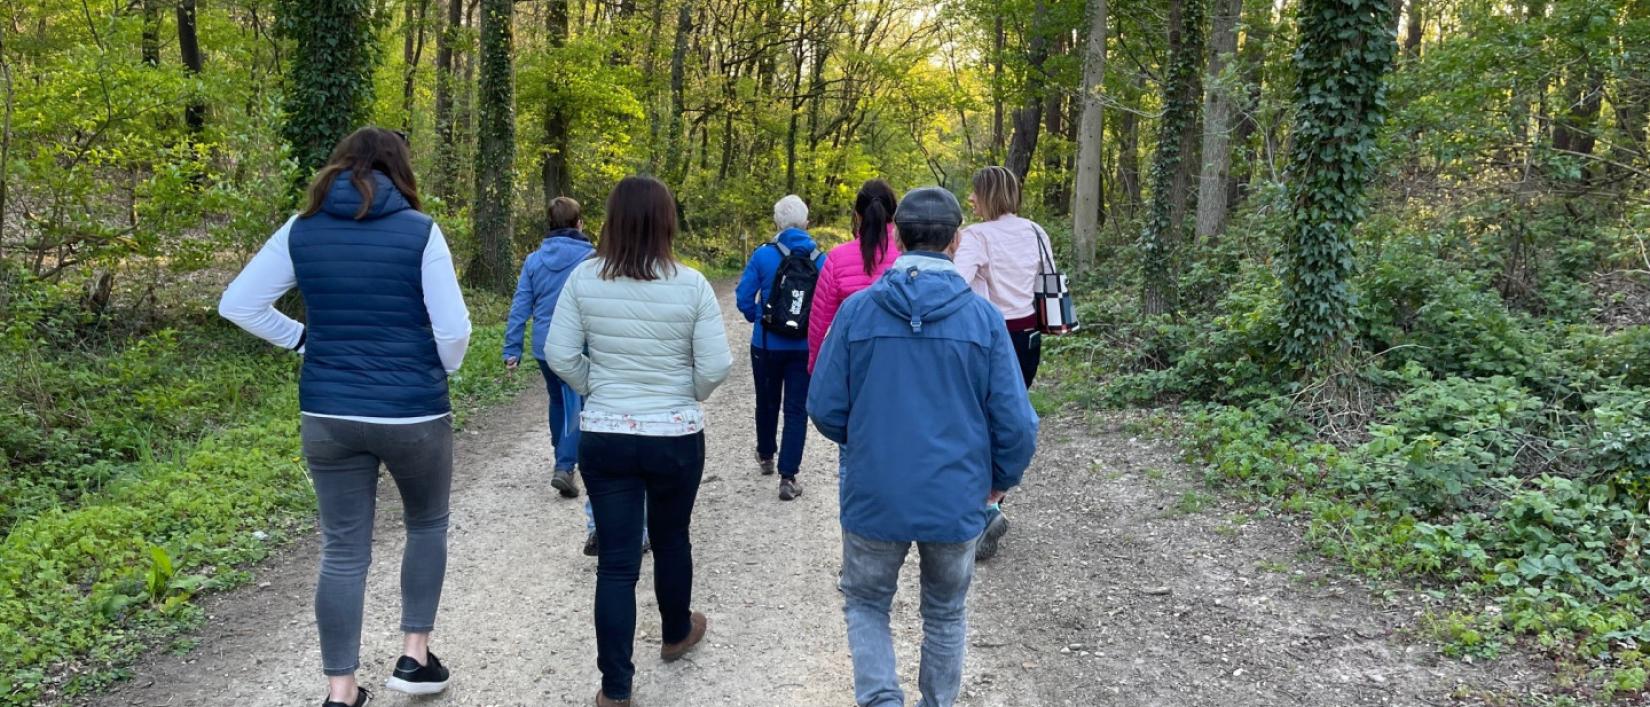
[
  {"x": 778, "y": 362},
  {"x": 542, "y": 276},
  {"x": 918, "y": 381}
]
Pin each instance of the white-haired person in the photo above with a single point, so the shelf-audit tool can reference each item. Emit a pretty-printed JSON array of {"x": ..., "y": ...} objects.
[{"x": 774, "y": 293}]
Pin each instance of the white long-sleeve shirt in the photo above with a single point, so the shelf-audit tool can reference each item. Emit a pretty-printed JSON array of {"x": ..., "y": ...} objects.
[{"x": 249, "y": 302}]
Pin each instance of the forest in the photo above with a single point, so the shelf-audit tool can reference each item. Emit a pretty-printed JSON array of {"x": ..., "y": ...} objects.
[{"x": 1378, "y": 265}]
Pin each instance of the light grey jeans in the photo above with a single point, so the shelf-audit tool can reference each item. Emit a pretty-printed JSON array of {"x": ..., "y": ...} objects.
[
  {"x": 870, "y": 575},
  {"x": 343, "y": 457}
]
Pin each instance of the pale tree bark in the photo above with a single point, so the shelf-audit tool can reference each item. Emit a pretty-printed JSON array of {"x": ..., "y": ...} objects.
[
  {"x": 1217, "y": 121},
  {"x": 1087, "y": 206},
  {"x": 495, "y": 150}
]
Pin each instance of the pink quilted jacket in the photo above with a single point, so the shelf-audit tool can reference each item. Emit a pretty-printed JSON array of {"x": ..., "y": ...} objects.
[{"x": 843, "y": 275}]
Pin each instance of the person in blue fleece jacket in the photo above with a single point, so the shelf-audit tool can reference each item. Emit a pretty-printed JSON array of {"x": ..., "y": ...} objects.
[
  {"x": 542, "y": 276},
  {"x": 918, "y": 381}
]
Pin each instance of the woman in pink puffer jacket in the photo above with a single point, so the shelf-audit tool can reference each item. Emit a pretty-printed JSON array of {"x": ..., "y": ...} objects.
[{"x": 854, "y": 265}]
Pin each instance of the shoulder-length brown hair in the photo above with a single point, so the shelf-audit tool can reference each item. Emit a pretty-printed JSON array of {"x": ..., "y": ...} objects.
[
  {"x": 640, "y": 228},
  {"x": 996, "y": 192},
  {"x": 361, "y": 153}
]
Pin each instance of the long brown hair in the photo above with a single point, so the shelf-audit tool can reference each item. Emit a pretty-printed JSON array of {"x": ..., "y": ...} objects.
[
  {"x": 996, "y": 192},
  {"x": 361, "y": 153},
  {"x": 873, "y": 211},
  {"x": 640, "y": 227}
]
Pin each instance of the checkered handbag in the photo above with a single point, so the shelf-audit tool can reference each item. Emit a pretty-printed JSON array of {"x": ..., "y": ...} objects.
[{"x": 1056, "y": 312}]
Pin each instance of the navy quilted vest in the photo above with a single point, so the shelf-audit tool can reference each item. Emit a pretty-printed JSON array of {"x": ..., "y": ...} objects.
[{"x": 369, "y": 350}]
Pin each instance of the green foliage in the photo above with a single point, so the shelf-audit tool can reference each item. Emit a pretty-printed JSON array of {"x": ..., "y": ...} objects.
[
  {"x": 329, "y": 85},
  {"x": 1346, "y": 47}
]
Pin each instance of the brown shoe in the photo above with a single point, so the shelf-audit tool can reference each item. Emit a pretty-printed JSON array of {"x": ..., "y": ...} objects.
[
  {"x": 602, "y": 700},
  {"x": 674, "y": 651}
]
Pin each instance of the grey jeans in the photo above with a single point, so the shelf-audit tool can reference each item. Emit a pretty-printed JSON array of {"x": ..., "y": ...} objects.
[{"x": 344, "y": 457}]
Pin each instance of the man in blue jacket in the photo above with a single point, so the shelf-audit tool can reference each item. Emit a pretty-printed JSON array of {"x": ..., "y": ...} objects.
[
  {"x": 919, "y": 383},
  {"x": 542, "y": 276},
  {"x": 779, "y": 361}
]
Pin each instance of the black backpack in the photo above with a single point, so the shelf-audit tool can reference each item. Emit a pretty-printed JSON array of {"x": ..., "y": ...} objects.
[{"x": 786, "y": 306}]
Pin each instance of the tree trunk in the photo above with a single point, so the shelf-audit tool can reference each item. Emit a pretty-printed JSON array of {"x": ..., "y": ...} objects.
[
  {"x": 1088, "y": 207},
  {"x": 1252, "y": 59},
  {"x": 1583, "y": 97},
  {"x": 1160, "y": 235},
  {"x": 194, "y": 115},
  {"x": 1187, "y": 42},
  {"x": 495, "y": 151},
  {"x": 558, "y": 181},
  {"x": 329, "y": 88},
  {"x": 1028, "y": 119},
  {"x": 1128, "y": 152},
  {"x": 151, "y": 32},
  {"x": 997, "y": 41},
  {"x": 1217, "y": 122},
  {"x": 1412, "y": 33},
  {"x": 678, "y": 69},
  {"x": 1056, "y": 195},
  {"x": 649, "y": 74},
  {"x": 412, "y": 52}
]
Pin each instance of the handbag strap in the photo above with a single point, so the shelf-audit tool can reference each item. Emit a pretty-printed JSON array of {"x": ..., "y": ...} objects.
[{"x": 1042, "y": 249}]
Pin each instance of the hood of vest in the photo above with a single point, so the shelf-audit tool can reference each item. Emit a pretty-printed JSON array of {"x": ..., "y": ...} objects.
[{"x": 343, "y": 200}]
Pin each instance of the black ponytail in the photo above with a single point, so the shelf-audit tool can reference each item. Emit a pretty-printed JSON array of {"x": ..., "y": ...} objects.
[{"x": 874, "y": 206}]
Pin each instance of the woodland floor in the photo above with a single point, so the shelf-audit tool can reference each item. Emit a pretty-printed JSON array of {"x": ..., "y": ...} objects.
[{"x": 1124, "y": 581}]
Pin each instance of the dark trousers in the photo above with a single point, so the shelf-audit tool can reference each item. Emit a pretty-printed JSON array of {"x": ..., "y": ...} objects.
[
  {"x": 343, "y": 457},
  {"x": 781, "y": 384},
  {"x": 1028, "y": 348},
  {"x": 625, "y": 475}
]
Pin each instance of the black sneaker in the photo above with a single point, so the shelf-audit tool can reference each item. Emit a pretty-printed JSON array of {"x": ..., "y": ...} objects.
[
  {"x": 789, "y": 488},
  {"x": 591, "y": 547},
  {"x": 994, "y": 531},
  {"x": 647, "y": 545},
  {"x": 415, "y": 679},
  {"x": 766, "y": 464},
  {"x": 362, "y": 697},
  {"x": 564, "y": 484}
]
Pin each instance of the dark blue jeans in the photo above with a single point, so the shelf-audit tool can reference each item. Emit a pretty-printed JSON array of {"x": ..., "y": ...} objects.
[
  {"x": 781, "y": 384},
  {"x": 565, "y": 405},
  {"x": 627, "y": 475}
]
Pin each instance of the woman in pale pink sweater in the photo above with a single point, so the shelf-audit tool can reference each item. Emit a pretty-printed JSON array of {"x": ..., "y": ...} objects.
[
  {"x": 1000, "y": 258},
  {"x": 854, "y": 265}
]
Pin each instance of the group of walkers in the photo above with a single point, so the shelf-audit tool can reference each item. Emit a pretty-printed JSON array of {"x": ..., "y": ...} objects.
[{"x": 911, "y": 347}]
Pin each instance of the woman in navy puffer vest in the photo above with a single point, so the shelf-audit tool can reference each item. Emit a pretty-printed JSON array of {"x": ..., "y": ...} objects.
[{"x": 386, "y": 327}]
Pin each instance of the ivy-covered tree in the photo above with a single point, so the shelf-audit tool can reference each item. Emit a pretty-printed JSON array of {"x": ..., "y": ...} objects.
[
  {"x": 1161, "y": 233},
  {"x": 329, "y": 85},
  {"x": 495, "y": 151},
  {"x": 1345, "y": 50}
]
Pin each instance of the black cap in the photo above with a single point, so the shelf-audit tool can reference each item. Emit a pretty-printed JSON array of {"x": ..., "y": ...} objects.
[{"x": 929, "y": 205}]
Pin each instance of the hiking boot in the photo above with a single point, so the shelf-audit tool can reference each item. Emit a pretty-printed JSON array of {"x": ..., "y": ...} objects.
[
  {"x": 362, "y": 697},
  {"x": 789, "y": 488},
  {"x": 414, "y": 679},
  {"x": 992, "y": 537},
  {"x": 591, "y": 547},
  {"x": 602, "y": 700},
  {"x": 671, "y": 652},
  {"x": 563, "y": 482},
  {"x": 766, "y": 464}
]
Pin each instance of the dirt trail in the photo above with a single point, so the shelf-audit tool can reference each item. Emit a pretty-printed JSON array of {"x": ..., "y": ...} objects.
[{"x": 1174, "y": 601}]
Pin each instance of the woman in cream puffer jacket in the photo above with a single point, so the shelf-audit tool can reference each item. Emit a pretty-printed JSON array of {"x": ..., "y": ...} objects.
[{"x": 640, "y": 335}]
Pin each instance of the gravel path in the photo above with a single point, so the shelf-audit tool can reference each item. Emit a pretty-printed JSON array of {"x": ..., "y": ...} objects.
[{"x": 1121, "y": 583}]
